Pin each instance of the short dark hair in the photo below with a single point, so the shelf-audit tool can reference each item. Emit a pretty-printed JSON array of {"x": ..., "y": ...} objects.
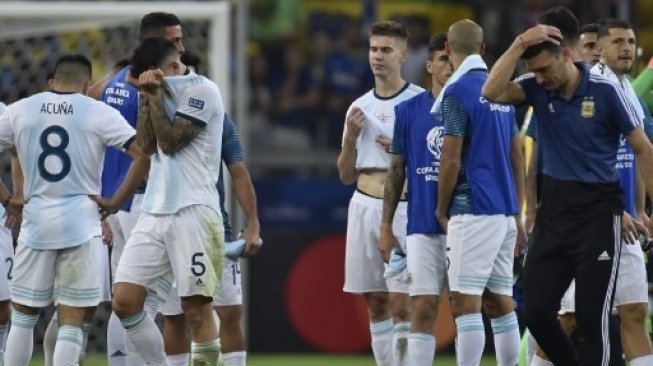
[
  {"x": 437, "y": 42},
  {"x": 535, "y": 50},
  {"x": 190, "y": 59},
  {"x": 589, "y": 28},
  {"x": 611, "y": 23},
  {"x": 73, "y": 68},
  {"x": 151, "y": 53},
  {"x": 389, "y": 28},
  {"x": 152, "y": 24},
  {"x": 563, "y": 19}
]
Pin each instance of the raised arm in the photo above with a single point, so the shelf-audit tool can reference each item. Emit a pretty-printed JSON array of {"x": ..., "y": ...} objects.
[
  {"x": 144, "y": 131},
  {"x": 499, "y": 87},
  {"x": 347, "y": 159}
]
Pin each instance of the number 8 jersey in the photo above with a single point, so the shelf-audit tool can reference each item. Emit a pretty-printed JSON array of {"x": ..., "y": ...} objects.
[{"x": 60, "y": 139}]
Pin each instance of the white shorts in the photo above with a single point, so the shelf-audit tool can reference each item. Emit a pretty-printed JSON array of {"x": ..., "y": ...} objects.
[
  {"x": 632, "y": 284},
  {"x": 122, "y": 224},
  {"x": 568, "y": 302},
  {"x": 364, "y": 266},
  {"x": 65, "y": 276},
  {"x": 229, "y": 293},
  {"x": 104, "y": 270},
  {"x": 185, "y": 247},
  {"x": 6, "y": 260},
  {"x": 427, "y": 264},
  {"x": 480, "y": 253}
]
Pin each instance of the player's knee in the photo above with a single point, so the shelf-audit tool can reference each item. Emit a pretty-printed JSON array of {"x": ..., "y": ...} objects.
[
  {"x": 196, "y": 309},
  {"x": 229, "y": 315},
  {"x": 633, "y": 314},
  {"x": 124, "y": 307},
  {"x": 399, "y": 307},
  {"x": 378, "y": 305},
  {"x": 497, "y": 305},
  {"x": 424, "y": 311}
]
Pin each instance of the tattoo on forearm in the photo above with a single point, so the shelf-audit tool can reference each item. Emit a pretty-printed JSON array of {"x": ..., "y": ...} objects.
[
  {"x": 171, "y": 137},
  {"x": 144, "y": 132},
  {"x": 394, "y": 185}
]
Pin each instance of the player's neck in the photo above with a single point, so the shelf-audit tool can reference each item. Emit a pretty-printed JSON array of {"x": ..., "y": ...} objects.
[
  {"x": 65, "y": 88},
  {"x": 388, "y": 86},
  {"x": 436, "y": 88},
  {"x": 567, "y": 90}
]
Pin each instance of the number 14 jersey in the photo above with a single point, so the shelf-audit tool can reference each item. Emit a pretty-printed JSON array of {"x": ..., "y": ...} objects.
[{"x": 60, "y": 139}]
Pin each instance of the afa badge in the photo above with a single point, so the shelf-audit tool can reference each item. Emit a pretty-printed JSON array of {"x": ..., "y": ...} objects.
[{"x": 587, "y": 108}]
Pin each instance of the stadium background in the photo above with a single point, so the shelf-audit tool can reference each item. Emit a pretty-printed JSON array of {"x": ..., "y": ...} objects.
[{"x": 306, "y": 61}]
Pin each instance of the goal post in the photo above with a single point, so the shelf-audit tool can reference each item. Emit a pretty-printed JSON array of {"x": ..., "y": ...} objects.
[{"x": 31, "y": 18}]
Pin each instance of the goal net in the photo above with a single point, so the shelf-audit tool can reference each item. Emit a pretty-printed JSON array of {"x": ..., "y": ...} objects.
[{"x": 33, "y": 35}]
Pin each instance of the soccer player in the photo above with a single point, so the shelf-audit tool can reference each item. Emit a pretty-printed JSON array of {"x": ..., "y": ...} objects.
[
  {"x": 179, "y": 234},
  {"x": 228, "y": 301},
  {"x": 6, "y": 266},
  {"x": 416, "y": 147},
  {"x": 56, "y": 258},
  {"x": 587, "y": 46},
  {"x": 581, "y": 118},
  {"x": 364, "y": 160},
  {"x": 479, "y": 207}
]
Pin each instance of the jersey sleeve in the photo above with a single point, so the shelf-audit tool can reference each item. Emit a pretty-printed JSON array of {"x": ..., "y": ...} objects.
[
  {"x": 114, "y": 130},
  {"x": 528, "y": 85},
  {"x": 6, "y": 131},
  {"x": 199, "y": 103},
  {"x": 232, "y": 151},
  {"x": 455, "y": 116},
  {"x": 622, "y": 113},
  {"x": 401, "y": 118}
]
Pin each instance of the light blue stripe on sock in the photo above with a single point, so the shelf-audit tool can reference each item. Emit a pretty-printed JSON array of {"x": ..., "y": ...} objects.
[
  {"x": 469, "y": 323},
  {"x": 69, "y": 333},
  {"x": 19, "y": 319},
  {"x": 382, "y": 327},
  {"x": 402, "y": 327},
  {"x": 132, "y": 321},
  {"x": 506, "y": 323},
  {"x": 421, "y": 336}
]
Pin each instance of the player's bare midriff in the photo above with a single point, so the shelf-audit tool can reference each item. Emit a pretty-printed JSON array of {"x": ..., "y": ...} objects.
[{"x": 372, "y": 183}]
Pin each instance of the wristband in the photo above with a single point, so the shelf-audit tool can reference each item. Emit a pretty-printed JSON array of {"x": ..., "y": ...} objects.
[{"x": 5, "y": 203}]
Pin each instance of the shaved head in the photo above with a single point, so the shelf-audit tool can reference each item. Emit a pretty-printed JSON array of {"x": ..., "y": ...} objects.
[{"x": 465, "y": 37}]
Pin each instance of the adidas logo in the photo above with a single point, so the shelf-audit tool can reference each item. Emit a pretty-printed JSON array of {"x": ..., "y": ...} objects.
[
  {"x": 604, "y": 256},
  {"x": 201, "y": 284},
  {"x": 118, "y": 353}
]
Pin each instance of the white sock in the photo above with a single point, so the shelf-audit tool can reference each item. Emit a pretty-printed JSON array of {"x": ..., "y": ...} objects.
[
  {"x": 4, "y": 329},
  {"x": 234, "y": 358},
  {"x": 146, "y": 337},
  {"x": 506, "y": 339},
  {"x": 69, "y": 346},
  {"x": 205, "y": 353},
  {"x": 20, "y": 340},
  {"x": 531, "y": 347},
  {"x": 116, "y": 349},
  {"x": 642, "y": 361},
  {"x": 400, "y": 343},
  {"x": 471, "y": 339},
  {"x": 382, "y": 334},
  {"x": 86, "y": 330},
  {"x": 50, "y": 340},
  {"x": 180, "y": 359},
  {"x": 421, "y": 349},
  {"x": 537, "y": 361}
]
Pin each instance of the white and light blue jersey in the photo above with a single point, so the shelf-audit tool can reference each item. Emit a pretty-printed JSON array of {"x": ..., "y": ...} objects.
[
  {"x": 188, "y": 177},
  {"x": 379, "y": 120},
  {"x": 60, "y": 139},
  {"x": 2, "y": 110}
]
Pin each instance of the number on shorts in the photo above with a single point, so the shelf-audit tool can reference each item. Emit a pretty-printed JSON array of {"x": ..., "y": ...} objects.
[
  {"x": 11, "y": 267},
  {"x": 235, "y": 269},
  {"x": 196, "y": 263},
  {"x": 58, "y": 151}
]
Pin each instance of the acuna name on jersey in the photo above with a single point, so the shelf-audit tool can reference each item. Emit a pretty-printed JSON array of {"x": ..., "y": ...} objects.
[{"x": 57, "y": 108}]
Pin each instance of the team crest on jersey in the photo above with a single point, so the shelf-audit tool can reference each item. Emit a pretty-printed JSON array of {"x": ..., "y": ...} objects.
[
  {"x": 196, "y": 103},
  {"x": 434, "y": 140},
  {"x": 587, "y": 108}
]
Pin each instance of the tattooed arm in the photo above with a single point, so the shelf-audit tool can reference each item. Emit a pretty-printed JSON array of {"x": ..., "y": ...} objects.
[
  {"x": 394, "y": 184},
  {"x": 171, "y": 136},
  {"x": 144, "y": 132}
]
